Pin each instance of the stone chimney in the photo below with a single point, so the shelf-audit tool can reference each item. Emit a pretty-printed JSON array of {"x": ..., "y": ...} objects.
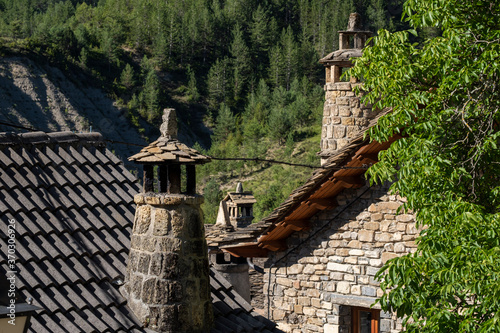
[
  {"x": 167, "y": 282},
  {"x": 236, "y": 209},
  {"x": 343, "y": 114}
]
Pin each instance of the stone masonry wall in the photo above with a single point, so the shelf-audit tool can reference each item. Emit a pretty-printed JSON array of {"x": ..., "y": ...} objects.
[
  {"x": 167, "y": 281},
  {"x": 315, "y": 287},
  {"x": 343, "y": 116}
]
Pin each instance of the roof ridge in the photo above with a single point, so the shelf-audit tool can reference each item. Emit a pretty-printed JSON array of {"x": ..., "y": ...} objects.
[{"x": 39, "y": 137}]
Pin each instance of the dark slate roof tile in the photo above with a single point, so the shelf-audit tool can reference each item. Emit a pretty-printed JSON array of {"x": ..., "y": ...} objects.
[
  {"x": 102, "y": 200},
  {"x": 117, "y": 175},
  {"x": 26, "y": 204},
  {"x": 96, "y": 179},
  {"x": 41, "y": 157},
  {"x": 90, "y": 156},
  {"x": 130, "y": 177},
  {"x": 98, "y": 323},
  {"x": 88, "y": 194},
  {"x": 21, "y": 227},
  {"x": 5, "y": 160},
  {"x": 18, "y": 177},
  {"x": 66, "y": 156},
  {"x": 76, "y": 196},
  {"x": 113, "y": 157},
  {"x": 69, "y": 325},
  {"x": 53, "y": 156},
  {"x": 80, "y": 174},
  {"x": 14, "y": 156},
  {"x": 6, "y": 181},
  {"x": 92, "y": 217},
  {"x": 12, "y": 203}
]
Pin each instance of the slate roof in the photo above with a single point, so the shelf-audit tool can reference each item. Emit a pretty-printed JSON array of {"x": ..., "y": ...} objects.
[
  {"x": 232, "y": 313},
  {"x": 70, "y": 197},
  {"x": 72, "y": 201}
]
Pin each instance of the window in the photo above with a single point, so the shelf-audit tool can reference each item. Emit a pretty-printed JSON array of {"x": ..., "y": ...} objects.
[{"x": 365, "y": 320}]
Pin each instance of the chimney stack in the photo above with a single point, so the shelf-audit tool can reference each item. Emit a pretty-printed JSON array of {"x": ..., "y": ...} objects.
[
  {"x": 343, "y": 114},
  {"x": 167, "y": 283}
]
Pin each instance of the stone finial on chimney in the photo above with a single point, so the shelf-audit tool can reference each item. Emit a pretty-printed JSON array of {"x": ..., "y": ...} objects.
[
  {"x": 343, "y": 114},
  {"x": 167, "y": 284},
  {"x": 168, "y": 128}
]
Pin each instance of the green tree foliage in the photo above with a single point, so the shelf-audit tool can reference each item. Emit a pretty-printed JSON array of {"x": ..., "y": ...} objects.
[
  {"x": 241, "y": 62},
  {"x": 192, "y": 88},
  {"x": 213, "y": 196},
  {"x": 127, "y": 77},
  {"x": 225, "y": 124},
  {"x": 218, "y": 83},
  {"x": 445, "y": 98}
]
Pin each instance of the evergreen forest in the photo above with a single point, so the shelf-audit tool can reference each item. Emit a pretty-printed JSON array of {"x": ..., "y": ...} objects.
[{"x": 248, "y": 70}]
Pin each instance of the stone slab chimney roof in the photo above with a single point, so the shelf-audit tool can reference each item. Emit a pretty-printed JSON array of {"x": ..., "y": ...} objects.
[{"x": 167, "y": 149}]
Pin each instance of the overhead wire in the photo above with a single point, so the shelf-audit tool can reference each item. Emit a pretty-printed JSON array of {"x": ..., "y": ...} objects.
[{"x": 246, "y": 159}]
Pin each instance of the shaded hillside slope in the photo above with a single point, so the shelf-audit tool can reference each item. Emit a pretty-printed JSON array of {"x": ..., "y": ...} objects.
[{"x": 43, "y": 97}]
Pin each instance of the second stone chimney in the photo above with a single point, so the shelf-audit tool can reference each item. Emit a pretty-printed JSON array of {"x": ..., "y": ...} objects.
[
  {"x": 236, "y": 209},
  {"x": 167, "y": 282},
  {"x": 343, "y": 114}
]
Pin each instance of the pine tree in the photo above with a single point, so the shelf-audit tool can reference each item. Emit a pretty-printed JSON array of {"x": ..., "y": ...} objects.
[
  {"x": 193, "y": 94},
  {"x": 127, "y": 77},
  {"x": 218, "y": 82},
  {"x": 241, "y": 62}
]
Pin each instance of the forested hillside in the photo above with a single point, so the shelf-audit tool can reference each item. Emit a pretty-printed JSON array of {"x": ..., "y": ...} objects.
[{"x": 247, "y": 70}]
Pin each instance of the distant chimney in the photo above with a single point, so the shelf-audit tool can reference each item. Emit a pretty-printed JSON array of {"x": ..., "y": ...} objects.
[
  {"x": 167, "y": 283},
  {"x": 343, "y": 114},
  {"x": 236, "y": 209}
]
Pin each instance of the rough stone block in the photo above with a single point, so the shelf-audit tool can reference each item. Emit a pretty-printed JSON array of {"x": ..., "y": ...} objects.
[
  {"x": 356, "y": 244},
  {"x": 399, "y": 247},
  {"x": 142, "y": 219},
  {"x": 295, "y": 269},
  {"x": 356, "y": 290},
  {"x": 339, "y": 132},
  {"x": 344, "y": 109},
  {"x": 404, "y": 218},
  {"x": 383, "y": 237},
  {"x": 356, "y": 252},
  {"x": 366, "y": 235},
  {"x": 372, "y": 271},
  {"x": 376, "y": 262},
  {"x": 386, "y": 256},
  {"x": 411, "y": 229},
  {"x": 331, "y": 328},
  {"x": 368, "y": 291},
  {"x": 284, "y": 282},
  {"x": 345, "y": 86},
  {"x": 309, "y": 269},
  {"x": 347, "y": 121},
  {"x": 351, "y": 260},
  {"x": 304, "y": 301},
  {"x": 316, "y": 302},
  {"x": 309, "y": 311},
  {"x": 387, "y": 207},
  {"x": 339, "y": 267},
  {"x": 343, "y": 287}
]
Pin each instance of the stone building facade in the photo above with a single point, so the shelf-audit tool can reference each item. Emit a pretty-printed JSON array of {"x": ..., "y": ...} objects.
[{"x": 318, "y": 286}]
